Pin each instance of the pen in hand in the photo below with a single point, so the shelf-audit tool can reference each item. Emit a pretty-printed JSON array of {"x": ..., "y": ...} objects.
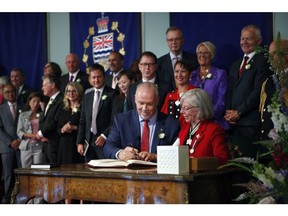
[{"x": 135, "y": 153}]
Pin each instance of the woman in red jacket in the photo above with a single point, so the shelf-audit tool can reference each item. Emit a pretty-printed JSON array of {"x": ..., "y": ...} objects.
[{"x": 203, "y": 135}]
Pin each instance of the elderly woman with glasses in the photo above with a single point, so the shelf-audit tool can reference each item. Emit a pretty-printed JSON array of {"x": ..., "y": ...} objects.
[
  {"x": 212, "y": 79},
  {"x": 200, "y": 132}
]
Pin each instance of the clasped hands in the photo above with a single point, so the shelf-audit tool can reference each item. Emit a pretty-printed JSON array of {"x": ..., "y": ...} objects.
[
  {"x": 232, "y": 116},
  {"x": 132, "y": 153}
]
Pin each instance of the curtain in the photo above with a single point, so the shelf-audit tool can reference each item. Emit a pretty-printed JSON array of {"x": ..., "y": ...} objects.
[
  {"x": 23, "y": 43},
  {"x": 223, "y": 30}
]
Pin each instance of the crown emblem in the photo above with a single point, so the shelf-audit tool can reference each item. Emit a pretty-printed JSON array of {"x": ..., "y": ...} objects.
[{"x": 102, "y": 23}]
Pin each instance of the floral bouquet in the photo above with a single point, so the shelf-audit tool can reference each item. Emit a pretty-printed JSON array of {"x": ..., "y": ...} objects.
[{"x": 270, "y": 182}]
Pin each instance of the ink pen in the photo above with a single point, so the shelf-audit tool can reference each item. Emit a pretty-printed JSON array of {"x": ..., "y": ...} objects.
[{"x": 136, "y": 154}]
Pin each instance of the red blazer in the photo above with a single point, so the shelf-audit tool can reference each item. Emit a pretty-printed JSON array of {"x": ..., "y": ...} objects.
[{"x": 210, "y": 141}]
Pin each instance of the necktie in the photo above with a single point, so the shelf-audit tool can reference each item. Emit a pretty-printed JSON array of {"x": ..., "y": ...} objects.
[
  {"x": 94, "y": 112},
  {"x": 13, "y": 110},
  {"x": 243, "y": 66},
  {"x": 48, "y": 105},
  {"x": 114, "y": 82},
  {"x": 71, "y": 78},
  {"x": 145, "y": 137}
]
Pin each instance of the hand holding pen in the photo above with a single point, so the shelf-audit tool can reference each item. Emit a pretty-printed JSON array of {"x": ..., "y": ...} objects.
[{"x": 134, "y": 151}]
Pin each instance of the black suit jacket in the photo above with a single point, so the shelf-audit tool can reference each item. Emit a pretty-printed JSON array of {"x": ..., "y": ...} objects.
[
  {"x": 48, "y": 124},
  {"x": 166, "y": 71},
  {"x": 82, "y": 78},
  {"x": 244, "y": 94},
  {"x": 103, "y": 118},
  {"x": 163, "y": 90}
]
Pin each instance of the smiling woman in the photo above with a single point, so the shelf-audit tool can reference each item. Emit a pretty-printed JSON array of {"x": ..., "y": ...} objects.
[{"x": 204, "y": 136}]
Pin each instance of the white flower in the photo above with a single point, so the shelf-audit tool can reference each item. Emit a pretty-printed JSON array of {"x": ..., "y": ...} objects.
[
  {"x": 247, "y": 66},
  {"x": 23, "y": 92},
  {"x": 103, "y": 97},
  {"x": 37, "y": 115},
  {"x": 177, "y": 102},
  {"x": 20, "y": 111},
  {"x": 209, "y": 76},
  {"x": 78, "y": 80},
  {"x": 267, "y": 200},
  {"x": 161, "y": 134}
]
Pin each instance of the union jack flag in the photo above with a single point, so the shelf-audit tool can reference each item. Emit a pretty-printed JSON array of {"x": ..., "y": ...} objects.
[{"x": 103, "y": 43}]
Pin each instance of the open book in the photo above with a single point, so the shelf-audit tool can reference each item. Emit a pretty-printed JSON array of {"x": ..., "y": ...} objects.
[{"x": 119, "y": 163}]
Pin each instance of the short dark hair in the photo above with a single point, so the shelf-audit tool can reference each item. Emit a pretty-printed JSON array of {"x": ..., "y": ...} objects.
[
  {"x": 56, "y": 69},
  {"x": 97, "y": 66},
  {"x": 149, "y": 54}
]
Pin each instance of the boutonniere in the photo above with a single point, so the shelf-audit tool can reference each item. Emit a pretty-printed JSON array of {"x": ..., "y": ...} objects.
[
  {"x": 75, "y": 110},
  {"x": 209, "y": 76},
  {"x": 103, "y": 97},
  {"x": 247, "y": 66},
  {"x": 23, "y": 92},
  {"x": 198, "y": 136},
  {"x": 51, "y": 102},
  {"x": 161, "y": 134},
  {"x": 37, "y": 115},
  {"x": 78, "y": 80},
  {"x": 177, "y": 102},
  {"x": 20, "y": 111}
]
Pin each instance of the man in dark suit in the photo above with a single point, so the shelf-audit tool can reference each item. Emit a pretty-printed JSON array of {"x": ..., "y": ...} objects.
[
  {"x": 175, "y": 41},
  {"x": 127, "y": 137},
  {"x": 243, "y": 94},
  {"x": 17, "y": 78},
  {"x": 148, "y": 67},
  {"x": 9, "y": 141},
  {"x": 47, "y": 123},
  {"x": 96, "y": 112},
  {"x": 116, "y": 62},
  {"x": 74, "y": 73}
]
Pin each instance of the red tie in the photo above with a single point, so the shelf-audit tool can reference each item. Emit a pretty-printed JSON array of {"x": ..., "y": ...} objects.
[
  {"x": 243, "y": 66},
  {"x": 145, "y": 137}
]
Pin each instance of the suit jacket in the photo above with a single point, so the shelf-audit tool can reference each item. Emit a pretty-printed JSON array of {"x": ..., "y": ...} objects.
[
  {"x": 209, "y": 141},
  {"x": 163, "y": 90},
  {"x": 48, "y": 123},
  {"x": 23, "y": 96},
  {"x": 166, "y": 70},
  {"x": 103, "y": 118},
  {"x": 216, "y": 87},
  {"x": 244, "y": 94},
  {"x": 24, "y": 126},
  {"x": 126, "y": 130},
  {"x": 82, "y": 78},
  {"x": 8, "y": 127}
]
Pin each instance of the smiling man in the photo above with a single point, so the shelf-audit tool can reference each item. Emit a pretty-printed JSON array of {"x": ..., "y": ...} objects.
[
  {"x": 137, "y": 133},
  {"x": 243, "y": 95}
]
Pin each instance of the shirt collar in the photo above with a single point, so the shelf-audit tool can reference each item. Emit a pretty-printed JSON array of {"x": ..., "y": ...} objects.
[{"x": 152, "y": 120}]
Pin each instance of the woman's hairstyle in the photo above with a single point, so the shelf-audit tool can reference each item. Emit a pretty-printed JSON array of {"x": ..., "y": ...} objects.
[
  {"x": 210, "y": 46},
  {"x": 184, "y": 63},
  {"x": 79, "y": 90},
  {"x": 31, "y": 96},
  {"x": 199, "y": 98}
]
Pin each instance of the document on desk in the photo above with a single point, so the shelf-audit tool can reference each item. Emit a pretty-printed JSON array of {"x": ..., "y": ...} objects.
[
  {"x": 119, "y": 163},
  {"x": 43, "y": 166}
]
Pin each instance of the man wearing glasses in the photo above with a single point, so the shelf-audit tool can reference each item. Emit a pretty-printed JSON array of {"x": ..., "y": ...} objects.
[
  {"x": 175, "y": 41},
  {"x": 148, "y": 67}
]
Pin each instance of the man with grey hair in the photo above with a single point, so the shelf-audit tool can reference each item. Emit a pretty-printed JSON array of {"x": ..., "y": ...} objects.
[
  {"x": 136, "y": 133},
  {"x": 243, "y": 95}
]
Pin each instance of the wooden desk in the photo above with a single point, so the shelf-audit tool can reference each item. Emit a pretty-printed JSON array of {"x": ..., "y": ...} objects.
[{"x": 122, "y": 185}]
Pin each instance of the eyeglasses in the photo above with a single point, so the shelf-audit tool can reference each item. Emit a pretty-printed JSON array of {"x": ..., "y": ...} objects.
[
  {"x": 71, "y": 91},
  {"x": 187, "y": 109},
  {"x": 203, "y": 53},
  {"x": 9, "y": 92},
  {"x": 147, "y": 64},
  {"x": 170, "y": 40}
]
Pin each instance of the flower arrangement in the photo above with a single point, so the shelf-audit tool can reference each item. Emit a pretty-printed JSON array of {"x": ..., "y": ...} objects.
[{"x": 270, "y": 183}]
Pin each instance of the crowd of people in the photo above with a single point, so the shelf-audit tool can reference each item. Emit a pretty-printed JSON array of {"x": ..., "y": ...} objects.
[{"x": 121, "y": 114}]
